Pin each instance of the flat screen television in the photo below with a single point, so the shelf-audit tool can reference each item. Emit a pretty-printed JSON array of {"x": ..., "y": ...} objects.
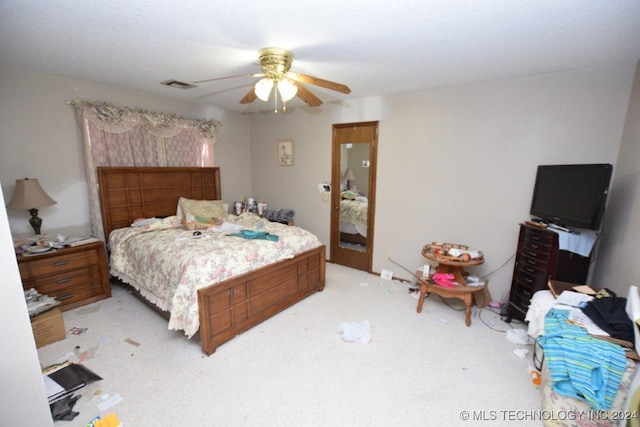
[{"x": 571, "y": 195}]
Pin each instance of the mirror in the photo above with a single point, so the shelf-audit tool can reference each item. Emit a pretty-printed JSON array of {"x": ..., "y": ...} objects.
[
  {"x": 354, "y": 190},
  {"x": 353, "y": 178}
]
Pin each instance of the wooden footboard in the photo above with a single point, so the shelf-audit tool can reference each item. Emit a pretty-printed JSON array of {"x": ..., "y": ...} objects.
[{"x": 229, "y": 308}]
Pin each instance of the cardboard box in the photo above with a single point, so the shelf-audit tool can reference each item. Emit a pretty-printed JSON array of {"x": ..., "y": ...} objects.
[{"x": 48, "y": 327}]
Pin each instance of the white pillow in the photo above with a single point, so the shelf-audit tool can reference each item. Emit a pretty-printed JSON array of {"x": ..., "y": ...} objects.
[{"x": 202, "y": 208}]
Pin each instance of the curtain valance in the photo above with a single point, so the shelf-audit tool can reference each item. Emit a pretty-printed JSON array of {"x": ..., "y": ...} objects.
[
  {"x": 122, "y": 136},
  {"x": 115, "y": 119}
]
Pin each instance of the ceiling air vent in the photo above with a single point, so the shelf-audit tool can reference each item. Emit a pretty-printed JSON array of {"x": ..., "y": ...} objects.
[{"x": 177, "y": 84}]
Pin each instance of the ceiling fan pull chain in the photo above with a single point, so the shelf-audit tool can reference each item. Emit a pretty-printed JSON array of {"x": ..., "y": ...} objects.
[
  {"x": 284, "y": 100},
  {"x": 275, "y": 98}
]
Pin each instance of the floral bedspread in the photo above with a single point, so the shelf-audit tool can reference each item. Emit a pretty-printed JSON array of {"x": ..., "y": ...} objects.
[
  {"x": 168, "y": 264},
  {"x": 354, "y": 212}
]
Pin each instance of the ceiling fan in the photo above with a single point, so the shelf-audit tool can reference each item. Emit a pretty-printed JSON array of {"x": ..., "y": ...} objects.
[{"x": 275, "y": 64}]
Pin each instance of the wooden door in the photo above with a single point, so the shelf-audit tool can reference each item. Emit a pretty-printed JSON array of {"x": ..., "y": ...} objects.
[{"x": 353, "y": 184}]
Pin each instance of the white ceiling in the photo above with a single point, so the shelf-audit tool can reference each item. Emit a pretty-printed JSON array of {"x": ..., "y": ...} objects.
[{"x": 375, "y": 47}]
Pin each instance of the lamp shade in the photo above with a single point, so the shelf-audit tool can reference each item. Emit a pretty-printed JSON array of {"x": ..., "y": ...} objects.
[
  {"x": 348, "y": 175},
  {"x": 263, "y": 88},
  {"x": 29, "y": 195},
  {"x": 287, "y": 89}
]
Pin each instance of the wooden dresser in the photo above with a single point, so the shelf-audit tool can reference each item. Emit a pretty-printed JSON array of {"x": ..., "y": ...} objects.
[
  {"x": 538, "y": 259},
  {"x": 75, "y": 276}
]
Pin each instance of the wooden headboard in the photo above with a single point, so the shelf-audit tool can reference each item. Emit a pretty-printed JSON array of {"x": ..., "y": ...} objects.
[{"x": 129, "y": 193}]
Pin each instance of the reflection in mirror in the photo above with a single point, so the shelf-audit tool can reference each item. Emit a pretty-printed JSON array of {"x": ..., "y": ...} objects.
[{"x": 354, "y": 188}]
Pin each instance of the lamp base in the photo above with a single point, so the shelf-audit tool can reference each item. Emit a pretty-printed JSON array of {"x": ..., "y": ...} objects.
[{"x": 35, "y": 221}]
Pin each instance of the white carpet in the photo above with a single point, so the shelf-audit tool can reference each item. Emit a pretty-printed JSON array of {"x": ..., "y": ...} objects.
[{"x": 294, "y": 369}]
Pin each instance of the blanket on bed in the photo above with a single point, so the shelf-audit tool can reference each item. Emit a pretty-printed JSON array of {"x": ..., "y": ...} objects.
[
  {"x": 168, "y": 264},
  {"x": 580, "y": 365},
  {"x": 354, "y": 212}
]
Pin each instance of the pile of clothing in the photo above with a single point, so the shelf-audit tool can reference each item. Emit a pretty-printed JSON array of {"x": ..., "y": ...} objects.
[
  {"x": 283, "y": 216},
  {"x": 583, "y": 364},
  {"x": 608, "y": 311}
]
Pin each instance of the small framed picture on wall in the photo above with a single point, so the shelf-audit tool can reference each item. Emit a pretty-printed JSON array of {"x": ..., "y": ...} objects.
[{"x": 285, "y": 153}]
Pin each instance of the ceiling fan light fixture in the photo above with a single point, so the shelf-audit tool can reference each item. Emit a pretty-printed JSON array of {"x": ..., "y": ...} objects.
[
  {"x": 275, "y": 64},
  {"x": 287, "y": 89},
  {"x": 263, "y": 88}
]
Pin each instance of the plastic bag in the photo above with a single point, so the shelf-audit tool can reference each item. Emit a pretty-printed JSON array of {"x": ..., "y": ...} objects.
[
  {"x": 518, "y": 336},
  {"x": 355, "y": 331}
]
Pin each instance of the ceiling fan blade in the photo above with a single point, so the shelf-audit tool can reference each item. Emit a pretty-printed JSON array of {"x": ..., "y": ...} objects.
[
  {"x": 249, "y": 97},
  {"x": 306, "y": 95},
  {"x": 230, "y": 77},
  {"x": 338, "y": 87}
]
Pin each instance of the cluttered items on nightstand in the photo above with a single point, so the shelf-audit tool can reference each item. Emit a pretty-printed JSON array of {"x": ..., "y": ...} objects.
[
  {"x": 452, "y": 258},
  {"x": 42, "y": 243},
  {"x": 249, "y": 205},
  {"x": 260, "y": 208},
  {"x": 451, "y": 252}
]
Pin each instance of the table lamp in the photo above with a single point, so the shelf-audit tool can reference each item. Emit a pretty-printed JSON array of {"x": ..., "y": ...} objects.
[
  {"x": 348, "y": 175},
  {"x": 30, "y": 195}
]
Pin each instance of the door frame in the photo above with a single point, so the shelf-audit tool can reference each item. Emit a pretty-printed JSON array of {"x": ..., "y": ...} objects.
[{"x": 360, "y": 261}]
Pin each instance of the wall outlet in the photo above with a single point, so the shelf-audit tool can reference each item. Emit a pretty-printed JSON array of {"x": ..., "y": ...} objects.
[{"x": 386, "y": 274}]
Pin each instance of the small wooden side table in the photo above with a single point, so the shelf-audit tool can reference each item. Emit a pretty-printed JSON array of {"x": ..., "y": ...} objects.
[
  {"x": 464, "y": 293},
  {"x": 452, "y": 266},
  {"x": 456, "y": 267}
]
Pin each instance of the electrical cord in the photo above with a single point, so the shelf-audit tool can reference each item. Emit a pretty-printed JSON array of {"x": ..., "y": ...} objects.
[
  {"x": 404, "y": 268},
  {"x": 488, "y": 325},
  {"x": 479, "y": 315},
  {"x": 486, "y": 276}
]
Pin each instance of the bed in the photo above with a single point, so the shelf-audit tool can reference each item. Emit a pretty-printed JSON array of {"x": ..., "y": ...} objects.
[
  {"x": 353, "y": 220},
  {"x": 211, "y": 297}
]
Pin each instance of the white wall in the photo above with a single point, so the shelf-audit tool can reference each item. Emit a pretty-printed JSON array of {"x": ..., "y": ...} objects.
[
  {"x": 618, "y": 254},
  {"x": 39, "y": 138},
  {"x": 455, "y": 164},
  {"x": 23, "y": 400},
  {"x": 470, "y": 155}
]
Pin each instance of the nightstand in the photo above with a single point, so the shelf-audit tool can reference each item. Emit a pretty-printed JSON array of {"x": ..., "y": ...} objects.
[{"x": 73, "y": 275}]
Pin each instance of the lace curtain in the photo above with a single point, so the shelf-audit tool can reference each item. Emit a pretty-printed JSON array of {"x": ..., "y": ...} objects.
[{"x": 121, "y": 136}]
